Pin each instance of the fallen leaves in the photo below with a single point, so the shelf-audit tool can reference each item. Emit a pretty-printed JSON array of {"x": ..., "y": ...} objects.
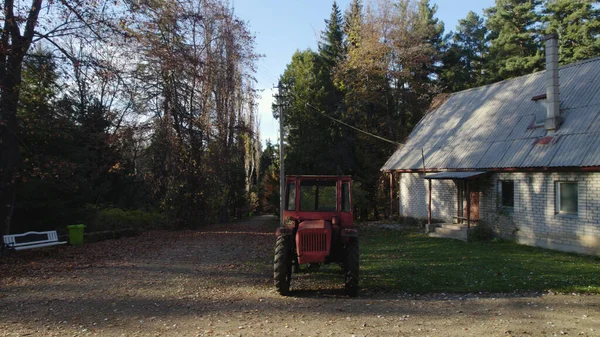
[{"x": 211, "y": 283}]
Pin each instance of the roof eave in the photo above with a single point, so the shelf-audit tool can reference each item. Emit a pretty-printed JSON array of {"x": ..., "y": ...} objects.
[{"x": 505, "y": 169}]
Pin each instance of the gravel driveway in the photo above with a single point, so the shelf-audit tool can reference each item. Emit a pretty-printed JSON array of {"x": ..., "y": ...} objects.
[{"x": 217, "y": 281}]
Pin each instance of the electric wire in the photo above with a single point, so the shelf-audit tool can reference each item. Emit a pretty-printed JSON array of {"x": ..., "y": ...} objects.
[{"x": 352, "y": 127}]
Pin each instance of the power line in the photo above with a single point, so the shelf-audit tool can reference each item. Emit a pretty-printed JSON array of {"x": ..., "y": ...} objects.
[
  {"x": 352, "y": 127},
  {"x": 346, "y": 124}
]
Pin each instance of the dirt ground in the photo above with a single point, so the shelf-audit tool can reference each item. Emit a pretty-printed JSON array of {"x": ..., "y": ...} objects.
[{"x": 218, "y": 282}]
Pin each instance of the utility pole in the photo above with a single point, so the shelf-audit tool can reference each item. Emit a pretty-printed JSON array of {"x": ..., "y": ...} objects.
[{"x": 281, "y": 166}]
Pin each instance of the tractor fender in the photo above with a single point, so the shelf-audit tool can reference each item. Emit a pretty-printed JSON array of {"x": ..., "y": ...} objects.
[{"x": 349, "y": 232}]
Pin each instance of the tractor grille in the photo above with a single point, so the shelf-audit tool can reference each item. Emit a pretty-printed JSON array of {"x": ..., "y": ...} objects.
[{"x": 314, "y": 242}]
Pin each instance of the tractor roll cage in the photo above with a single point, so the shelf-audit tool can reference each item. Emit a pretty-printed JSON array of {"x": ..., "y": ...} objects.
[{"x": 318, "y": 194}]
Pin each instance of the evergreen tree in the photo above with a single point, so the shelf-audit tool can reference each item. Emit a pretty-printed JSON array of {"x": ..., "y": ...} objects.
[
  {"x": 465, "y": 51},
  {"x": 431, "y": 30},
  {"x": 331, "y": 53},
  {"x": 311, "y": 137},
  {"x": 578, "y": 26},
  {"x": 267, "y": 158},
  {"x": 269, "y": 179},
  {"x": 471, "y": 38},
  {"x": 331, "y": 47},
  {"x": 515, "y": 49},
  {"x": 453, "y": 75}
]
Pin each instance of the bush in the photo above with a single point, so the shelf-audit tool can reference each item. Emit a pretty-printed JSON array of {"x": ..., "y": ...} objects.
[
  {"x": 482, "y": 232},
  {"x": 110, "y": 219}
]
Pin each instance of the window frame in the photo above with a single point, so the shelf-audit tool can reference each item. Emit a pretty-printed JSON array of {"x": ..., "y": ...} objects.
[
  {"x": 558, "y": 199},
  {"x": 345, "y": 196},
  {"x": 540, "y": 113},
  {"x": 319, "y": 193},
  {"x": 290, "y": 198},
  {"x": 501, "y": 196}
]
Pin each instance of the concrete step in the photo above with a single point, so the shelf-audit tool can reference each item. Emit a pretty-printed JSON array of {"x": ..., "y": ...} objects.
[
  {"x": 459, "y": 233},
  {"x": 443, "y": 230},
  {"x": 451, "y": 226},
  {"x": 445, "y": 236}
]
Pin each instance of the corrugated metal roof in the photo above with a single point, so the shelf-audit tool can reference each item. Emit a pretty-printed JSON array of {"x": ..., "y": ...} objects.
[
  {"x": 436, "y": 156},
  {"x": 592, "y": 158},
  {"x": 453, "y": 175},
  {"x": 494, "y": 154},
  {"x": 572, "y": 150},
  {"x": 491, "y": 126},
  {"x": 541, "y": 154},
  {"x": 517, "y": 152}
]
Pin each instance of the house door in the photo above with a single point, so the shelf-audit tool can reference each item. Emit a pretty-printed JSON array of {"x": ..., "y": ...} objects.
[
  {"x": 462, "y": 202},
  {"x": 474, "y": 205}
]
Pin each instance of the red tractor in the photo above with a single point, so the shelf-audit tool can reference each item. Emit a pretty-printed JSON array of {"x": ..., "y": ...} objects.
[{"x": 318, "y": 228}]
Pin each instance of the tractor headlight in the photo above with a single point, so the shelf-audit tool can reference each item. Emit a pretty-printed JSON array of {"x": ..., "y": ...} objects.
[{"x": 289, "y": 222}]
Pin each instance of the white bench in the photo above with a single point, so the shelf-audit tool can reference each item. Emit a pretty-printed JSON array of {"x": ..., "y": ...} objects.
[{"x": 31, "y": 240}]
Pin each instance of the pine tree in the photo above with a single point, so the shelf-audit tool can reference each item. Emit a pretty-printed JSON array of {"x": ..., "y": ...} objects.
[
  {"x": 470, "y": 36},
  {"x": 453, "y": 75},
  {"x": 430, "y": 26},
  {"x": 464, "y": 54},
  {"x": 515, "y": 39},
  {"x": 578, "y": 26}
]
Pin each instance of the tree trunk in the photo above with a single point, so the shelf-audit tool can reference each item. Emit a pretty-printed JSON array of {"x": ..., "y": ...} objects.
[
  {"x": 13, "y": 48},
  {"x": 9, "y": 147}
]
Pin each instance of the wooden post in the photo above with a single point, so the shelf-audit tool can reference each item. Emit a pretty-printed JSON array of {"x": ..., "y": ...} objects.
[
  {"x": 391, "y": 194},
  {"x": 468, "y": 205},
  {"x": 458, "y": 201},
  {"x": 429, "y": 205}
]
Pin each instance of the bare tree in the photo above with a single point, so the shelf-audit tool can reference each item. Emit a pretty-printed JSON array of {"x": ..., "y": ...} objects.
[{"x": 23, "y": 26}]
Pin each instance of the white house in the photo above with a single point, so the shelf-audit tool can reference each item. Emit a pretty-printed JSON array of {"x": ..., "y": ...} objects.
[{"x": 521, "y": 156}]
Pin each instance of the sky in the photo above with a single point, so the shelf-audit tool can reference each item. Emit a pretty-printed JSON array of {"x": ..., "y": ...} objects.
[{"x": 282, "y": 27}]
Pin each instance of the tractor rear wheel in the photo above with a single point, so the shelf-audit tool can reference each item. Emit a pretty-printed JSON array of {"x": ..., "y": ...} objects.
[
  {"x": 282, "y": 264},
  {"x": 351, "y": 267}
]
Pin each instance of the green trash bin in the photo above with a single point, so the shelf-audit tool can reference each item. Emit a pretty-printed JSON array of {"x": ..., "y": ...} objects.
[{"x": 76, "y": 234}]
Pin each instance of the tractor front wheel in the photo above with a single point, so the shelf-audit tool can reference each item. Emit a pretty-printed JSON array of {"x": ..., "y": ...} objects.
[
  {"x": 282, "y": 264},
  {"x": 351, "y": 267}
]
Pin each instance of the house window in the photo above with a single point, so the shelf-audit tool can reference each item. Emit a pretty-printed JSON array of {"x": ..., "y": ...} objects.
[
  {"x": 506, "y": 193},
  {"x": 540, "y": 110},
  {"x": 540, "y": 113},
  {"x": 566, "y": 197}
]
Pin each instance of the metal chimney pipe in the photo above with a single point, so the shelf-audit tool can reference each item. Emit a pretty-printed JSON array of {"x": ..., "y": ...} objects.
[{"x": 552, "y": 86}]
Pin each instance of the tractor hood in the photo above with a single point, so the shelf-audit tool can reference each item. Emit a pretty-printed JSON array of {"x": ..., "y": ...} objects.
[{"x": 315, "y": 224}]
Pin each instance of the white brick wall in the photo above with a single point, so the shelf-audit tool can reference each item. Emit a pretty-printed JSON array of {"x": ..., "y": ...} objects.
[
  {"x": 414, "y": 194},
  {"x": 532, "y": 220}
]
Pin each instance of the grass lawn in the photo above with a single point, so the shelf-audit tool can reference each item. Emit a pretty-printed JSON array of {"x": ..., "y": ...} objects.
[{"x": 416, "y": 263}]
